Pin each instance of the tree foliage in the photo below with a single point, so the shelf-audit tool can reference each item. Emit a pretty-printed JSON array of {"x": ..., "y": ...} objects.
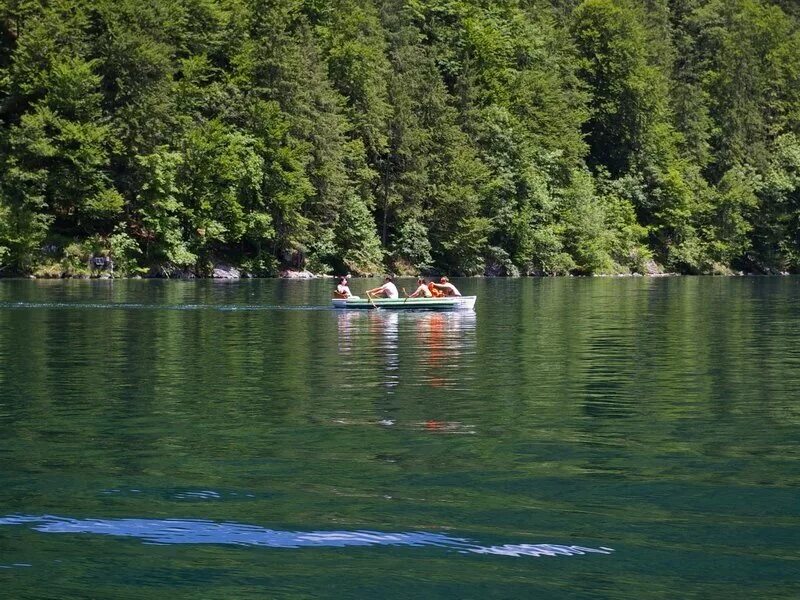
[{"x": 543, "y": 137}]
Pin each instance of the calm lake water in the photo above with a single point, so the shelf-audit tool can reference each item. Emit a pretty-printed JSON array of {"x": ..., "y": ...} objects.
[{"x": 571, "y": 438}]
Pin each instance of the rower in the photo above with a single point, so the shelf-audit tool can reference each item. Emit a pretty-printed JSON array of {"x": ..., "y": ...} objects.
[
  {"x": 422, "y": 290},
  {"x": 387, "y": 290}
]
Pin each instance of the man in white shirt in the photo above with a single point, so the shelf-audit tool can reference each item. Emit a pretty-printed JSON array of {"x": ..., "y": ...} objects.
[{"x": 387, "y": 290}]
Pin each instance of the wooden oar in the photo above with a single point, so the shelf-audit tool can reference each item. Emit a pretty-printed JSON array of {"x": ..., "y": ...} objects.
[
  {"x": 371, "y": 301},
  {"x": 405, "y": 293}
]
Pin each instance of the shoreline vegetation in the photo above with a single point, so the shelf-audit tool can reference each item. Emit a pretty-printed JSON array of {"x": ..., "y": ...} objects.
[
  {"x": 232, "y": 273},
  {"x": 245, "y": 138}
]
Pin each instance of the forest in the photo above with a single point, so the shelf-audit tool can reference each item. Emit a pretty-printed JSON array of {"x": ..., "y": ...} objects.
[{"x": 502, "y": 137}]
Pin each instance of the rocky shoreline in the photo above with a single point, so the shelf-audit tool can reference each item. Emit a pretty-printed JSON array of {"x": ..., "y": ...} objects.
[
  {"x": 223, "y": 271},
  {"x": 228, "y": 273}
]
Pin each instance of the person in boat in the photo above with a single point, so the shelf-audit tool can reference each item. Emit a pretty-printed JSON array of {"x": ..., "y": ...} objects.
[
  {"x": 422, "y": 291},
  {"x": 387, "y": 290},
  {"x": 447, "y": 288},
  {"x": 343, "y": 289},
  {"x": 435, "y": 292}
]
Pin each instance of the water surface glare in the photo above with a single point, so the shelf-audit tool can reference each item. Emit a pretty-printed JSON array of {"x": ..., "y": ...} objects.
[
  {"x": 176, "y": 439},
  {"x": 177, "y": 531}
]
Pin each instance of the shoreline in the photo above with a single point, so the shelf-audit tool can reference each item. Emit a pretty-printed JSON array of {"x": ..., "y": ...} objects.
[{"x": 307, "y": 276}]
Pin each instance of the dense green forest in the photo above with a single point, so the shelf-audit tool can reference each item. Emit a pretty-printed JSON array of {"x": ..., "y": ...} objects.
[{"x": 467, "y": 136}]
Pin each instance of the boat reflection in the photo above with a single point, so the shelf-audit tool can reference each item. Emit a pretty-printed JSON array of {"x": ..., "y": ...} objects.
[
  {"x": 371, "y": 338},
  {"x": 433, "y": 348},
  {"x": 444, "y": 342}
]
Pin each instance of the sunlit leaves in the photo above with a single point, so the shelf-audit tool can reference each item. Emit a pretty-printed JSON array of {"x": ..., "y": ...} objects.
[{"x": 508, "y": 137}]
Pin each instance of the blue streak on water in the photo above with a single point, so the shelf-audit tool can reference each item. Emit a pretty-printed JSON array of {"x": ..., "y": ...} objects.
[{"x": 191, "y": 531}]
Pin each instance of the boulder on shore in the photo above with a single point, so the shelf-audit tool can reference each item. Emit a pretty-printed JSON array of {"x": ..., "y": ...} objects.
[
  {"x": 653, "y": 269},
  {"x": 222, "y": 271},
  {"x": 304, "y": 274}
]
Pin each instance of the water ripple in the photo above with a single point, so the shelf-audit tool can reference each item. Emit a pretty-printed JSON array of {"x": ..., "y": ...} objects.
[
  {"x": 144, "y": 306},
  {"x": 190, "y": 531}
]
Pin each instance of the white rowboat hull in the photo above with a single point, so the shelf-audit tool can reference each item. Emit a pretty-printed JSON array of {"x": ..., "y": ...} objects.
[{"x": 446, "y": 303}]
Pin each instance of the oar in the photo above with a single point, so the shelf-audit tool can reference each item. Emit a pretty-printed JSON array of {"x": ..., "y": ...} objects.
[
  {"x": 405, "y": 293},
  {"x": 371, "y": 301}
]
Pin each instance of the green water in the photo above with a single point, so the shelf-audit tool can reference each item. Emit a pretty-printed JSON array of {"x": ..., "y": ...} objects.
[{"x": 571, "y": 438}]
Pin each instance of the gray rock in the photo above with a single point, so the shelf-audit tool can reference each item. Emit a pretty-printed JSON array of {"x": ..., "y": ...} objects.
[
  {"x": 305, "y": 274},
  {"x": 652, "y": 268},
  {"x": 222, "y": 271}
]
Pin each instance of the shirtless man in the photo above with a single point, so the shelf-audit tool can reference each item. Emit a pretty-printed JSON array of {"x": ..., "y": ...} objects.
[
  {"x": 422, "y": 291},
  {"x": 446, "y": 287}
]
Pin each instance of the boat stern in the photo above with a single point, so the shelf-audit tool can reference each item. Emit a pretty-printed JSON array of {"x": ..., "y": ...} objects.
[{"x": 467, "y": 302}]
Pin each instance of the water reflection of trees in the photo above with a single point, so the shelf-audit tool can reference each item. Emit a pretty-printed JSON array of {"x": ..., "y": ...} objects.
[{"x": 698, "y": 368}]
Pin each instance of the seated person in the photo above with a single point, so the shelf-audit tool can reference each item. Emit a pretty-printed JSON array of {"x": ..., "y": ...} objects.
[
  {"x": 343, "y": 289},
  {"x": 422, "y": 291},
  {"x": 447, "y": 288},
  {"x": 435, "y": 292},
  {"x": 387, "y": 290}
]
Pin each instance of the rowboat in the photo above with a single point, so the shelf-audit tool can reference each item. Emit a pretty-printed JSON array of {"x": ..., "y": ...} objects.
[{"x": 446, "y": 303}]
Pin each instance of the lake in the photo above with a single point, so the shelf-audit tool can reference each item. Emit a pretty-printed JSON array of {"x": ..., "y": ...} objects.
[{"x": 571, "y": 438}]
